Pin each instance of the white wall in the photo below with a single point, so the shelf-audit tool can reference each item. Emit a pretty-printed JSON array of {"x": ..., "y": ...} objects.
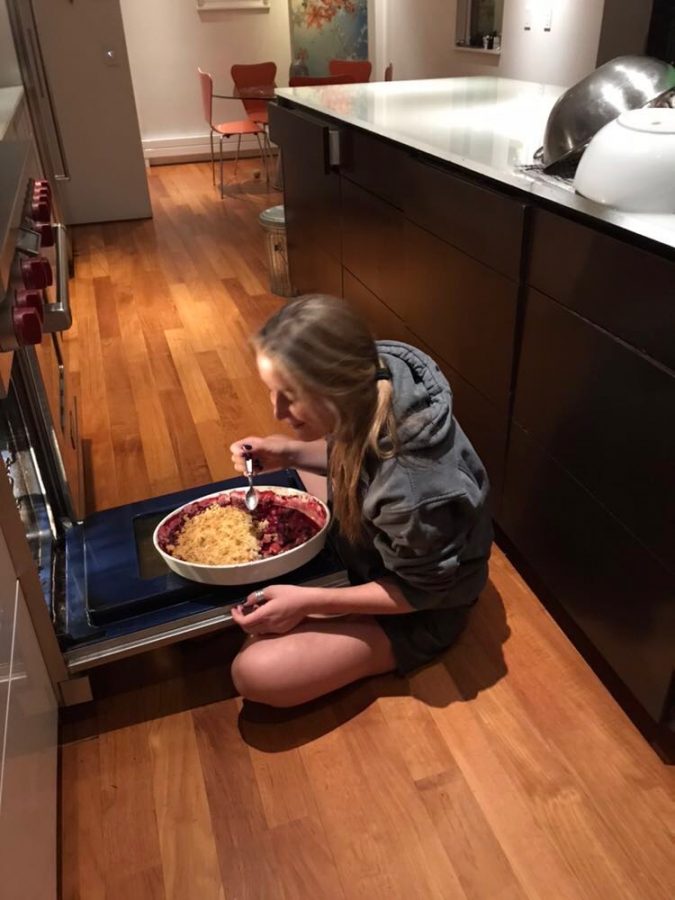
[
  {"x": 416, "y": 35},
  {"x": 420, "y": 39},
  {"x": 168, "y": 39},
  {"x": 9, "y": 67}
]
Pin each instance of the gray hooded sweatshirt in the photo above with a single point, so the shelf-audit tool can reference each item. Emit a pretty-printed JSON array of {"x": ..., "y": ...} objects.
[{"x": 426, "y": 517}]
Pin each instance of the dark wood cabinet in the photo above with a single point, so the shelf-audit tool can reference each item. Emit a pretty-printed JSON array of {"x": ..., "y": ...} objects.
[
  {"x": 626, "y": 290},
  {"x": 589, "y": 489},
  {"x": 383, "y": 322},
  {"x": 376, "y": 164},
  {"x": 605, "y": 414},
  {"x": 484, "y": 224},
  {"x": 373, "y": 243},
  {"x": 311, "y": 200},
  {"x": 608, "y": 583},
  {"x": 464, "y": 310}
]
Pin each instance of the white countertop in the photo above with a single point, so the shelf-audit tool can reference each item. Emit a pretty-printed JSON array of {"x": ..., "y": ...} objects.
[
  {"x": 486, "y": 125},
  {"x": 10, "y": 98}
]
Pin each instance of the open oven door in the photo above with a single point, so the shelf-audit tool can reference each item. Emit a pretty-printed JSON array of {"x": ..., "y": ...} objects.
[{"x": 120, "y": 598}]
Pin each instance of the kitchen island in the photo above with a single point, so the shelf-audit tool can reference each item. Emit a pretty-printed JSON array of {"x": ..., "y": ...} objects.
[{"x": 551, "y": 316}]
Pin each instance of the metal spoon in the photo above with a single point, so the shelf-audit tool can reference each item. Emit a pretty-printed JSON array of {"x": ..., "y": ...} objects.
[{"x": 250, "y": 497}]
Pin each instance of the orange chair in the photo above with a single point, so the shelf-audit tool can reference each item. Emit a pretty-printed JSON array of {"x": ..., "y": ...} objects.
[
  {"x": 316, "y": 80},
  {"x": 251, "y": 76},
  {"x": 358, "y": 69},
  {"x": 389, "y": 72},
  {"x": 224, "y": 129}
]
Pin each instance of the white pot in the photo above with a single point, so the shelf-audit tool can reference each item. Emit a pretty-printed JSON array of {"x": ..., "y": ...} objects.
[
  {"x": 259, "y": 569},
  {"x": 630, "y": 163}
]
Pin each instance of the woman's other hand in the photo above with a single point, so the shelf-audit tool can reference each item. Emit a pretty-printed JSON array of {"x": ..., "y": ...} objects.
[
  {"x": 268, "y": 453},
  {"x": 282, "y": 608}
]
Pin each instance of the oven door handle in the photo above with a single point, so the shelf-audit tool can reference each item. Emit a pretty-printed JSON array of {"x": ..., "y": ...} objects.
[{"x": 58, "y": 316}]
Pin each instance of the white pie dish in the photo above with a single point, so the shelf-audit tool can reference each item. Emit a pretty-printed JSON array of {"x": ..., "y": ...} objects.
[
  {"x": 630, "y": 163},
  {"x": 259, "y": 569}
]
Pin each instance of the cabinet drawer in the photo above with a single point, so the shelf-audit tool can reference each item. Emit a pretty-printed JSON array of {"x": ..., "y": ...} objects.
[
  {"x": 384, "y": 324},
  {"x": 615, "y": 592},
  {"x": 465, "y": 312},
  {"x": 373, "y": 245},
  {"x": 375, "y": 164},
  {"x": 627, "y": 291},
  {"x": 486, "y": 428},
  {"x": 482, "y": 422},
  {"x": 605, "y": 414},
  {"x": 313, "y": 271},
  {"x": 483, "y": 223},
  {"x": 311, "y": 188}
]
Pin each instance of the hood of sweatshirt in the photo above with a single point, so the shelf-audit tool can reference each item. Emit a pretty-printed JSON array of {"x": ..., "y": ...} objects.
[{"x": 422, "y": 398}]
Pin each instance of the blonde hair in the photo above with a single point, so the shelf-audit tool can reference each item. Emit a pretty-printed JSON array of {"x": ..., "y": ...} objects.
[{"x": 329, "y": 355}]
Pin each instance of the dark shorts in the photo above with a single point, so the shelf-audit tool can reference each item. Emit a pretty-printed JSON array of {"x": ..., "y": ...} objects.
[{"x": 418, "y": 638}]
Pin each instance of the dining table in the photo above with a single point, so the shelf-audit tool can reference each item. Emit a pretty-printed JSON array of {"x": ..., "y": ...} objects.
[{"x": 255, "y": 92}]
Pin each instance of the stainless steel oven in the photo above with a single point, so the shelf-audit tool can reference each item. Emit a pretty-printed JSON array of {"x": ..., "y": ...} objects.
[{"x": 96, "y": 588}]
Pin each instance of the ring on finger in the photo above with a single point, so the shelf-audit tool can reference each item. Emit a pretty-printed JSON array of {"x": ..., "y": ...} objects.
[{"x": 259, "y": 596}]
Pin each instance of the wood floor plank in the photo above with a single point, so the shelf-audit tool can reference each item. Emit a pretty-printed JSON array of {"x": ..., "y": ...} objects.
[
  {"x": 193, "y": 465},
  {"x": 194, "y": 384},
  {"x": 560, "y": 804},
  {"x": 425, "y": 752},
  {"x": 205, "y": 329},
  {"x": 131, "y": 844},
  {"x": 247, "y": 865},
  {"x": 510, "y": 812},
  {"x": 283, "y": 786},
  {"x": 95, "y": 423},
  {"x": 380, "y": 833},
  {"x": 133, "y": 480},
  {"x": 612, "y": 784},
  {"x": 189, "y": 855},
  {"x": 481, "y": 865},
  {"x": 158, "y": 450},
  {"x": 82, "y": 863},
  {"x": 147, "y": 883},
  {"x": 304, "y": 864}
]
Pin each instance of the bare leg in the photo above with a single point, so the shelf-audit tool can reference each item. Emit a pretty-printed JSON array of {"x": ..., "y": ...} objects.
[{"x": 314, "y": 659}]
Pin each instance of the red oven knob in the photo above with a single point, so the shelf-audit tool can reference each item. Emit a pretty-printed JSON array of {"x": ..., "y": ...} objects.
[
  {"x": 31, "y": 300},
  {"x": 36, "y": 273},
  {"x": 41, "y": 209},
  {"x": 46, "y": 232},
  {"x": 41, "y": 184},
  {"x": 27, "y": 326}
]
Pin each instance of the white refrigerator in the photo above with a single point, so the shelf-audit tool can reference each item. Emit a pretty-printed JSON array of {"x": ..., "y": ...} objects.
[{"x": 73, "y": 60}]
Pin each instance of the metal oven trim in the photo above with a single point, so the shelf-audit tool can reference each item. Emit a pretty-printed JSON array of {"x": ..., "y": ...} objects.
[{"x": 80, "y": 659}]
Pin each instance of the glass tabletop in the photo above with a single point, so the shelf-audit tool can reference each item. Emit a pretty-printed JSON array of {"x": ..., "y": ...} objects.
[{"x": 256, "y": 92}]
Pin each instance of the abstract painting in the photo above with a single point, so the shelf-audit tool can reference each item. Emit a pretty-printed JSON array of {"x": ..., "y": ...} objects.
[{"x": 322, "y": 30}]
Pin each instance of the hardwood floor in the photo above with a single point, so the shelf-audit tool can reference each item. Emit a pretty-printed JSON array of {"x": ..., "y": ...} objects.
[
  {"x": 163, "y": 309},
  {"x": 503, "y": 770}
]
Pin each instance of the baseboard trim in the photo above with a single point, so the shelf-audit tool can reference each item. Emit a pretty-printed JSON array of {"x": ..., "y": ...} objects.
[{"x": 160, "y": 151}]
